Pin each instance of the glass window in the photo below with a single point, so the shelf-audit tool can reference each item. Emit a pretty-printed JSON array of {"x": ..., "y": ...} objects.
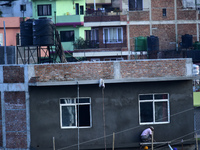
[
  {"x": 154, "y": 108},
  {"x": 135, "y": 5},
  {"x": 113, "y": 35},
  {"x": 81, "y": 10},
  {"x": 67, "y": 36},
  {"x": 77, "y": 8},
  {"x": 44, "y": 10},
  {"x": 75, "y": 112}
]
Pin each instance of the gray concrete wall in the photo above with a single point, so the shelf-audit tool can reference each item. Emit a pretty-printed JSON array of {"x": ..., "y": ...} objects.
[{"x": 121, "y": 115}]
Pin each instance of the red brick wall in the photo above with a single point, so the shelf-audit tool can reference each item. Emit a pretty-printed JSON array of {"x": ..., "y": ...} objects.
[
  {"x": 136, "y": 31},
  {"x": 166, "y": 35},
  {"x": 157, "y": 68},
  {"x": 105, "y": 70},
  {"x": 186, "y": 14},
  {"x": 187, "y": 29},
  {"x": 139, "y": 15},
  {"x": 15, "y": 119},
  {"x": 70, "y": 72},
  {"x": 13, "y": 74}
]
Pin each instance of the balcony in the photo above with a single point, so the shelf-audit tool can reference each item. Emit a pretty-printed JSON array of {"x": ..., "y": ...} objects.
[
  {"x": 98, "y": 1},
  {"x": 69, "y": 19},
  {"x": 102, "y": 15}
]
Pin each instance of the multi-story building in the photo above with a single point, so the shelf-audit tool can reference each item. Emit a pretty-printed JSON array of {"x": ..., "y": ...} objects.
[
  {"x": 68, "y": 17},
  {"x": 16, "y": 8},
  {"x": 115, "y": 32}
]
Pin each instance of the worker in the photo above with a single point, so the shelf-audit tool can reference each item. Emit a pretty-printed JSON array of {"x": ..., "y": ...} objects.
[{"x": 147, "y": 134}]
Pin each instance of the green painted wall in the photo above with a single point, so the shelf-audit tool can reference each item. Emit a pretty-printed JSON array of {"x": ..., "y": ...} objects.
[
  {"x": 196, "y": 97},
  {"x": 65, "y": 13}
]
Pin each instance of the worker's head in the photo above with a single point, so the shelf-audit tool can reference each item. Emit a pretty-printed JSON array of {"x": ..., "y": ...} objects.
[
  {"x": 146, "y": 147},
  {"x": 152, "y": 128},
  {"x": 175, "y": 149}
]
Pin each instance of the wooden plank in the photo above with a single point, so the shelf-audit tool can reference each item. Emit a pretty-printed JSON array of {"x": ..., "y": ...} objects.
[{"x": 156, "y": 143}]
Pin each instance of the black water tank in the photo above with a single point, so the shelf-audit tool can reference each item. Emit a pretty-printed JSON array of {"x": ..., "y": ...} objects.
[
  {"x": 152, "y": 43},
  {"x": 43, "y": 32},
  {"x": 187, "y": 41},
  {"x": 26, "y": 31}
]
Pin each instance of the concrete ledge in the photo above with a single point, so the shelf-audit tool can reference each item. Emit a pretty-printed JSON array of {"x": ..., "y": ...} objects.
[{"x": 107, "y": 81}]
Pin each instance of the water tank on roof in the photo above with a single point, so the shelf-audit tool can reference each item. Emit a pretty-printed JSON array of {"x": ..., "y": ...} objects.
[
  {"x": 43, "y": 32},
  {"x": 152, "y": 43},
  {"x": 141, "y": 43},
  {"x": 187, "y": 41},
  {"x": 26, "y": 31}
]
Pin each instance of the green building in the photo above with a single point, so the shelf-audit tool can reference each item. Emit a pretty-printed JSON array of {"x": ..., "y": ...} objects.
[{"x": 68, "y": 15}]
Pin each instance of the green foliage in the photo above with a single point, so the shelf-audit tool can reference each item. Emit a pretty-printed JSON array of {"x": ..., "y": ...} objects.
[{"x": 79, "y": 43}]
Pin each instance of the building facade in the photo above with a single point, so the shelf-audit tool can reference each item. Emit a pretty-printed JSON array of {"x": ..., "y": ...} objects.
[
  {"x": 64, "y": 103},
  {"x": 167, "y": 20},
  {"x": 68, "y": 17}
]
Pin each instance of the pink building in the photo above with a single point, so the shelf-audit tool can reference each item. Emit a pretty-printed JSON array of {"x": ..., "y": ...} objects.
[{"x": 12, "y": 25}]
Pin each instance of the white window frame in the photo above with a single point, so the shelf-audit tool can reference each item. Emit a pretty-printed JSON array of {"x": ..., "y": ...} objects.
[
  {"x": 76, "y": 110},
  {"x": 117, "y": 40},
  {"x": 154, "y": 101}
]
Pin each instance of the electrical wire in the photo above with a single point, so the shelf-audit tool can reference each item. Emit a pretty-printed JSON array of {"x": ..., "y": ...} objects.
[{"x": 129, "y": 129}]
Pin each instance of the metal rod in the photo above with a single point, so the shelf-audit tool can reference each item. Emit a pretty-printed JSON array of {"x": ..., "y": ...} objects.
[
  {"x": 78, "y": 114},
  {"x": 113, "y": 141},
  {"x": 5, "y": 54},
  {"x": 54, "y": 145},
  {"x": 152, "y": 140},
  {"x": 197, "y": 142}
]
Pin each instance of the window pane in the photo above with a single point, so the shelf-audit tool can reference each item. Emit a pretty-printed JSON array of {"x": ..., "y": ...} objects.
[
  {"x": 146, "y": 97},
  {"x": 83, "y": 100},
  {"x": 77, "y": 8},
  {"x": 68, "y": 116},
  {"x": 66, "y": 101},
  {"x": 161, "y": 114},
  {"x": 119, "y": 35},
  {"x": 84, "y": 113},
  {"x": 81, "y": 10},
  {"x": 106, "y": 35},
  {"x": 161, "y": 96},
  {"x": 67, "y": 36},
  {"x": 146, "y": 112}
]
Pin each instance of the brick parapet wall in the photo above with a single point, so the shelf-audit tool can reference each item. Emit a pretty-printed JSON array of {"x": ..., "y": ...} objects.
[
  {"x": 13, "y": 74},
  {"x": 107, "y": 70},
  {"x": 154, "y": 68},
  {"x": 13, "y": 88}
]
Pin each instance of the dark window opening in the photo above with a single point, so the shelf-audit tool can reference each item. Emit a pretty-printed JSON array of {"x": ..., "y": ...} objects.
[
  {"x": 67, "y": 36},
  {"x": 77, "y": 8},
  {"x": 44, "y": 10},
  {"x": 81, "y": 10},
  {"x": 146, "y": 112},
  {"x": 22, "y": 7},
  {"x": 164, "y": 12},
  {"x": 84, "y": 115},
  {"x": 135, "y": 5}
]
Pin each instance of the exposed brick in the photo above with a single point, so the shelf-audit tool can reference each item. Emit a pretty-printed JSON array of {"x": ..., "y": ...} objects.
[
  {"x": 166, "y": 35},
  {"x": 13, "y": 74},
  {"x": 15, "y": 100},
  {"x": 16, "y": 140},
  {"x": 15, "y": 120},
  {"x": 187, "y": 29},
  {"x": 97, "y": 70}
]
